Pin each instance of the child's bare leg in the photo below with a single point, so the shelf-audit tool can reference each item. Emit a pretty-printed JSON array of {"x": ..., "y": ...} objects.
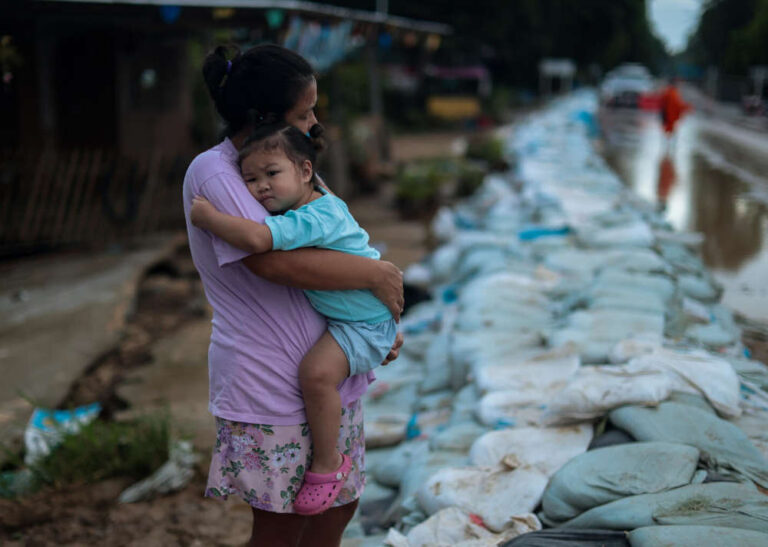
[{"x": 321, "y": 371}]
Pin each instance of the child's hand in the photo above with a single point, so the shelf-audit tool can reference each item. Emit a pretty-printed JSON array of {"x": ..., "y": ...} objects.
[{"x": 202, "y": 212}]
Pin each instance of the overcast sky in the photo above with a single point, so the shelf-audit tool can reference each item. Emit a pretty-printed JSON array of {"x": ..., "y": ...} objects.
[{"x": 673, "y": 20}]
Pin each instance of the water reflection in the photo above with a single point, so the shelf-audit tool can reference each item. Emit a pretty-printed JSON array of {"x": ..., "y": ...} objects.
[
  {"x": 698, "y": 181},
  {"x": 693, "y": 194},
  {"x": 667, "y": 179}
]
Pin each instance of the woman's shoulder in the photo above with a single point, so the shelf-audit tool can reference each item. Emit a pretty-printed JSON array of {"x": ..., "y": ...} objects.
[{"x": 217, "y": 160}]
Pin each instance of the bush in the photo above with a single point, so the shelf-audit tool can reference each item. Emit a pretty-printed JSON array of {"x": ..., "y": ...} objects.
[
  {"x": 470, "y": 176},
  {"x": 102, "y": 449},
  {"x": 489, "y": 149},
  {"x": 421, "y": 184}
]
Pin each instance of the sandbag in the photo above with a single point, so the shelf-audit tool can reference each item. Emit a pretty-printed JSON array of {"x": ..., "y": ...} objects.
[
  {"x": 724, "y": 447},
  {"x": 718, "y": 504},
  {"x": 545, "y": 449},
  {"x": 570, "y": 538},
  {"x": 607, "y": 474},
  {"x": 453, "y": 527},
  {"x": 457, "y": 437},
  {"x": 594, "y": 390},
  {"x": 496, "y": 495},
  {"x": 696, "y": 536},
  {"x": 634, "y": 234},
  {"x": 712, "y": 376},
  {"x": 513, "y": 407},
  {"x": 548, "y": 369}
]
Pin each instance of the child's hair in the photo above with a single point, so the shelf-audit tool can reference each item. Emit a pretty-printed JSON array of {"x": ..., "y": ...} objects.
[
  {"x": 283, "y": 136},
  {"x": 264, "y": 82}
]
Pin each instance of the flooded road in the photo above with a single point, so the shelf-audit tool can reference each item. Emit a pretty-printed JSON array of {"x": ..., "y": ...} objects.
[{"x": 710, "y": 178}]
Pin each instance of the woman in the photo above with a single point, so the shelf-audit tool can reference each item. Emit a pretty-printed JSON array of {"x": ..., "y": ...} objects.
[{"x": 262, "y": 323}]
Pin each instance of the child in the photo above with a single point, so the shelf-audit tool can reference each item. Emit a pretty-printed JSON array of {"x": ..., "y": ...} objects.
[{"x": 277, "y": 166}]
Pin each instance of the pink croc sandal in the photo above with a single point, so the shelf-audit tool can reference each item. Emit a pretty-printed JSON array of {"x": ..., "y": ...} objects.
[{"x": 319, "y": 491}]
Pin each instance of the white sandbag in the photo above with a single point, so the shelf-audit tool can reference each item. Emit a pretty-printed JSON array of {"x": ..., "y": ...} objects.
[
  {"x": 712, "y": 376},
  {"x": 698, "y": 288},
  {"x": 484, "y": 347},
  {"x": 594, "y": 390},
  {"x": 545, "y": 449},
  {"x": 612, "y": 325},
  {"x": 425, "y": 463},
  {"x": 496, "y": 495},
  {"x": 635, "y": 234},
  {"x": 639, "y": 260},
  {"x": 437, "y": 364},
  {"x": 548, "y": 369},
  {"x": 457, "y": 437},
  {"x": 713, "y": 335},
  {"x": 629, "y": 348},
  {"x": 695, "y": 311},
  {"x": 444, "y": 224},
  {"x": 385, "y": 430},
  {"x": 418, "y": 275},
  {"x": 391, "y": 467},
  {"x": 660, "y": 285},
  {"x": 464, "y": 405},
  {"x": 443, "y": 261},
  {"x": 513, "y": 407},
  {"x": 453, "y": 527},
  {"x": 489, "y": 290}
]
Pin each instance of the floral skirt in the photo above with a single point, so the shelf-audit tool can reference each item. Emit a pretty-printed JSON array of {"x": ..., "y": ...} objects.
[{"x": 264, "y": 464}]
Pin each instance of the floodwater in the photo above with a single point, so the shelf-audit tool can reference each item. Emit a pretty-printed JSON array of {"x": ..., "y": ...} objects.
[{"x": 709, "y": 178}]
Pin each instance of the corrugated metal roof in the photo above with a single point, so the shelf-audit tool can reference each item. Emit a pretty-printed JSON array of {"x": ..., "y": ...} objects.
[{"x": 289, "y": 5}]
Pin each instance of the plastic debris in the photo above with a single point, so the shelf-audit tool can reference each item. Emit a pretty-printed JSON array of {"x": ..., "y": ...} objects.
[
  {"x": 173, "y": 475},
  {"x": 46, "y": 428}
]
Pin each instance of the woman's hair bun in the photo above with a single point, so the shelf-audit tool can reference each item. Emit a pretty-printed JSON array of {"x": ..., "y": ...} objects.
[
  {"x": 316, "y": 133},
  {"x": 215, "y": 67}
]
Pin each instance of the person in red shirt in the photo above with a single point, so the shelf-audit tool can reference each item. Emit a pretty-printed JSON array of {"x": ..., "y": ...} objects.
[{"x": 672, "y": 107}]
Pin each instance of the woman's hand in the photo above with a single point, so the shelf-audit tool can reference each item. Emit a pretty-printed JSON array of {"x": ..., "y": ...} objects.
[
  {"x": 395, "y": 351},
  {"x": 202, "y": 212},
  {"x": 388, "y": 287}
]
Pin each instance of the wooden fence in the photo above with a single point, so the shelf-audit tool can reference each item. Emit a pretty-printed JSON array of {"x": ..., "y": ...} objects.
[{"x": 51, "y": 198}]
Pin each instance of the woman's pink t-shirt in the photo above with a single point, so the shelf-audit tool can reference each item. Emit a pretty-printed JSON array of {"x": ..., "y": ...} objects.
[{"x": 261, "y": 330}]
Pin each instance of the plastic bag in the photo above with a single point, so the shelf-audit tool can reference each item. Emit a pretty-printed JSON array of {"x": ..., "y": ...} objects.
[{"x": 46, "y": 428}]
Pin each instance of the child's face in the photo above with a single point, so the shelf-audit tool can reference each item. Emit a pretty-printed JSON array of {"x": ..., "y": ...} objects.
[{"x": 276, "y": 181}]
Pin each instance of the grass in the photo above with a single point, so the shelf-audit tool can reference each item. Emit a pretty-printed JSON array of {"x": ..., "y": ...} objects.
[{"x": 105, "y": 449}]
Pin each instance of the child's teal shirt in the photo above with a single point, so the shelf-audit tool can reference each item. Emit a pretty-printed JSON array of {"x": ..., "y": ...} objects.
[{"x": 327, "y": 223}]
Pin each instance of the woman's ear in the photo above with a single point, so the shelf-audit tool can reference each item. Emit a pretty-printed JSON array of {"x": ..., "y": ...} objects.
[{"x": 306, "y": 171}]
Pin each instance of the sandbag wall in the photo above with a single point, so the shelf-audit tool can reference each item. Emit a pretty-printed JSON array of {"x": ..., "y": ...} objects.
[{"x": 573, "y": 370}]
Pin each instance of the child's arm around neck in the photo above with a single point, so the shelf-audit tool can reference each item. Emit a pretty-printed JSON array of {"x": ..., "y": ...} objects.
[{"x": 242, "y": 233}]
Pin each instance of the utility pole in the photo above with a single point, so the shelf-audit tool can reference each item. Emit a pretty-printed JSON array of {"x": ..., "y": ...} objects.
[{"x": 374, "y": 81}]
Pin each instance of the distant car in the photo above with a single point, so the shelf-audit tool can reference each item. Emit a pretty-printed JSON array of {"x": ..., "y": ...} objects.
[
  {"x": 754, "y": 105},
  {"x": 629, "y": 85}
]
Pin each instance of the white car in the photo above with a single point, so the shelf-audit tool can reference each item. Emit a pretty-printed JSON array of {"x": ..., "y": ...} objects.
[{"x": 627, "y": 85}]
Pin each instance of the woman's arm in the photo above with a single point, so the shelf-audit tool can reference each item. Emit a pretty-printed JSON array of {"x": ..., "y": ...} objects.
[
  {"x": 239, "y": 232},
  {"x": 324, "y": 270}
]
